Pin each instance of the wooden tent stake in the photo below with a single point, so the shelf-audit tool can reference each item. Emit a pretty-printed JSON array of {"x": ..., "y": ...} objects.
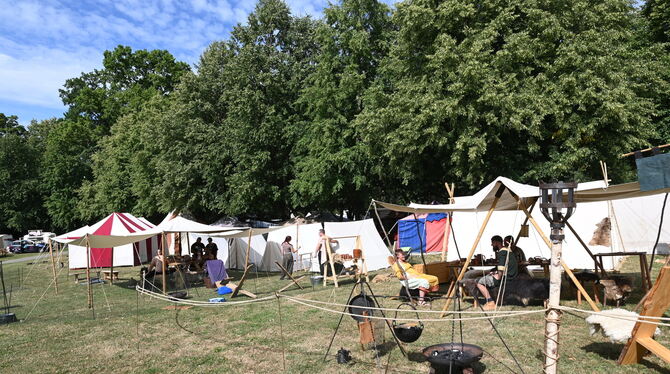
[
  {"x": 642, "y": 337},
  {"x": 295, "y": 281},
  {"x": 246, "y": 261},
  {"x": 53, "y": 265},
  {"x": 499, "y": 192},
  {"x": 329, "y": 256},
  {"x": 239, "y": 289}
]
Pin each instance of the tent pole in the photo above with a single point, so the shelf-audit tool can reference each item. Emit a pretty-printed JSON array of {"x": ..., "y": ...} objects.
[
  {"x": 53, "y": 265},
  {"x": 88, "y": 274},
  {"x": 499, "y": 192},
  {"x": 388, "y": 241},
  {"x": 563, "y": 264},
  {"x": 246, "y": 262},
  {"x": 329, "y": 256},
  {"x": 445, "y": 237},
  {"x": 111, "y": 269},
  {"x": 164, "y": 264},
  {"x": 586, "y": 248}
]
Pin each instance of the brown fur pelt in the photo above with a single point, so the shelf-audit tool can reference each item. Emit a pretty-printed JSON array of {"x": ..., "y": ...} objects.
[
  {"x": 617, "y": 288},
  {"x": 603, "y": 234}
]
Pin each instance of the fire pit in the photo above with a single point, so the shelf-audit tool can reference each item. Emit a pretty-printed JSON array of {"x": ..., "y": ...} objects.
[{"x": 457, "y": 355}]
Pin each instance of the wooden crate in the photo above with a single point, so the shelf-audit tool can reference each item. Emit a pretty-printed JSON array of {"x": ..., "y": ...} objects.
[{"x": 442, "y": 270}]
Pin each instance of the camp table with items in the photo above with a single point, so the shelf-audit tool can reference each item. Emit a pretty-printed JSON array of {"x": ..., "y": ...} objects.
[{"x": 644, "y": 267}]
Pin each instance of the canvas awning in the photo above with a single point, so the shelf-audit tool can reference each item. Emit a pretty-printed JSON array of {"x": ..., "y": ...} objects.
[
  {"x": 175, "y": 225},
  {"x": 482, "y": 200}
]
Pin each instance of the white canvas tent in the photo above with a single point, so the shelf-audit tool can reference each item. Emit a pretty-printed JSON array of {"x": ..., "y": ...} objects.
[
  {"x": 125, "y": 254},
  {"x": 304, "y": 237},
  {"x": 375, "y": 251},
  {"x": 637, "y": 213}
]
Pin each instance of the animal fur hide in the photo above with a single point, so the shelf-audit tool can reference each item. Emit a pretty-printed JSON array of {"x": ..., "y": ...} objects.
[
  {"x": 615, "y": 329},
  {"x": 603, "y": 234}
]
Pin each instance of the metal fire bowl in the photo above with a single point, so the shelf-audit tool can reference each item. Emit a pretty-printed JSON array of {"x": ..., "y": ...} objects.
[{"x": 471, "y": 353}]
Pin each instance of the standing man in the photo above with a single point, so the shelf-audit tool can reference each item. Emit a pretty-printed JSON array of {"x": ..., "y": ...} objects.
[
  {"x": 211, "y": 248},
  {"x": 320, "y": 250},
  {"x": 197, "y": 248},
  {"x": 507, "y": 266}
]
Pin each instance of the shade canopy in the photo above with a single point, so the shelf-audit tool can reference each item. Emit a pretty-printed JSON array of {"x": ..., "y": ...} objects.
[
  {"x": 483, "y": 199},
  {"x": 175, "y": 225}
]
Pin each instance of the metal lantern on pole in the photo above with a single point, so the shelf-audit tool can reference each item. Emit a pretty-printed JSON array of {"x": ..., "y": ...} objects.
[{"x": 557, "y": 210}]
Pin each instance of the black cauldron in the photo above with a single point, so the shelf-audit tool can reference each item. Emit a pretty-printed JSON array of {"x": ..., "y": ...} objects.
[
  {"x": 359, "y": 307},
  {"x": 457, "y": 355},
  {"x": 408, "y": 332}
]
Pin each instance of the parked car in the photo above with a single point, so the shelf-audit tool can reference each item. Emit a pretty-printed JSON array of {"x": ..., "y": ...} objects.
[{"x": 25, "y": 246}]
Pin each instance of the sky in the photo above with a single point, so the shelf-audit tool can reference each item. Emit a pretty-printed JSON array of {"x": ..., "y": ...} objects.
[{"x": 45, "y": 42}]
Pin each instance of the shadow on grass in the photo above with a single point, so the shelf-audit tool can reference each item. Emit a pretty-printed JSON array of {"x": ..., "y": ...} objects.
[{"x": 611, "y": 351}]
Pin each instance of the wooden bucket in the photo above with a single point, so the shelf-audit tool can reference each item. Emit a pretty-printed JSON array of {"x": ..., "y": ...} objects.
[{"x": 358, "y": 254}]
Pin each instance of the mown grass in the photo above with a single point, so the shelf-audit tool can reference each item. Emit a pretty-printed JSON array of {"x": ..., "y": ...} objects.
[{"x": 136, "y": 334}]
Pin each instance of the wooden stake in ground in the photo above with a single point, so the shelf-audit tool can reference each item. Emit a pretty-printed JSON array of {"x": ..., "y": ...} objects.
[
  {"x": 53, "y": 266},
  {"x": 246, "y": 261}
]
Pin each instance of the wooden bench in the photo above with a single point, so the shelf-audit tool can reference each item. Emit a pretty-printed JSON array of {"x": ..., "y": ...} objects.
[
  {"x": 109, "y": 275},
  {"x": 82, "y": 275}
]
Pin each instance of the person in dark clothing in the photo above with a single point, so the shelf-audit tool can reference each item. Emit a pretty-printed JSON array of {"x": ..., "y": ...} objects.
[
  {"x": 211, "y": 248},
  {"x": 197, "y": 248},
  {"x": 507, "y": 266}
]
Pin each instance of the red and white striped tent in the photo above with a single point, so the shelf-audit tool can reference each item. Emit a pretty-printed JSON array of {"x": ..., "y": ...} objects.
[{"x": 131, "y": 254}]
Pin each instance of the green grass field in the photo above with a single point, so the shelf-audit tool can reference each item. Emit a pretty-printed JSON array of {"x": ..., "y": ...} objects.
[{"x": 132, "y": 333}]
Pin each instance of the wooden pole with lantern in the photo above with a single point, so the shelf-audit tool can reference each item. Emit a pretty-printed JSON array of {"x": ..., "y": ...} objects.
[{"x": 557, "y": 211}]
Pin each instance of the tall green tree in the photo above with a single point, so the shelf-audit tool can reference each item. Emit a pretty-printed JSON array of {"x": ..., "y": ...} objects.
[
  {"x": 76, "y": 187},
  {"x": 331, "y": 159},
  {"x": 233, "y": 124},
  {"x": 127, "y": 80},
  {"x": 530, "y": 90},
  {"x": 21, "y": 199}
]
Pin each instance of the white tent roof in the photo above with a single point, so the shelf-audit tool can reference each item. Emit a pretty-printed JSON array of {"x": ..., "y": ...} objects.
[
  {"x": 72, "y": 235},
  {"x": 375, "y": 251},
  {"x": 175, "y": 225},
  {"x": 483, "y": 199}
]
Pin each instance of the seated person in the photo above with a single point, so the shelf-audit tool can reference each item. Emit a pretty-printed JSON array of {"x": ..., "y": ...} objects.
[
  {"x": 518, "y": 252},
  {"x": 404, "y": 271},
  {"x": 507, "y": 266},
  {"x": 156, "y": 264},
  {"x": 216, "y": 270}
]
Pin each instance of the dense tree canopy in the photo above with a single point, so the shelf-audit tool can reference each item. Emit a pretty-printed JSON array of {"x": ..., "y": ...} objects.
[{"x": 290, "y": 114}]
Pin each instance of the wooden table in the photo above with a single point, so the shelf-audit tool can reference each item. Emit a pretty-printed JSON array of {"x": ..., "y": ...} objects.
[{"x": 644, "y": 267}]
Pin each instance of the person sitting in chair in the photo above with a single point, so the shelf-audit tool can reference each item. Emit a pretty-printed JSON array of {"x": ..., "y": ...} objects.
[
  {"x": 414, "y": 280},
  {"x": 518, "y": 252},
  {"x": 156, "y": 264},
  {"x": 216, "y": 270},
  {"x": 507, "y": 266}
]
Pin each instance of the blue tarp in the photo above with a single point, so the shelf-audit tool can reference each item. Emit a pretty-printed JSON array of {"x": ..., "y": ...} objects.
[{"x": 412, "y": 232}]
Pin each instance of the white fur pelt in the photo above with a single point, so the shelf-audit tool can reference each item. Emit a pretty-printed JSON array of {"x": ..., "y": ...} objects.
[{"x": 616, "y": 329}]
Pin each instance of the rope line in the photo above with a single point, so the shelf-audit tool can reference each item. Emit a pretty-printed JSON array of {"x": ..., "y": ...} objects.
[
  {"x": 195, "y": 302},
  {"x": 407, "y": 319},
  {"x": 412, "y": 311},
  {"x": 641, "y": 319}
]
